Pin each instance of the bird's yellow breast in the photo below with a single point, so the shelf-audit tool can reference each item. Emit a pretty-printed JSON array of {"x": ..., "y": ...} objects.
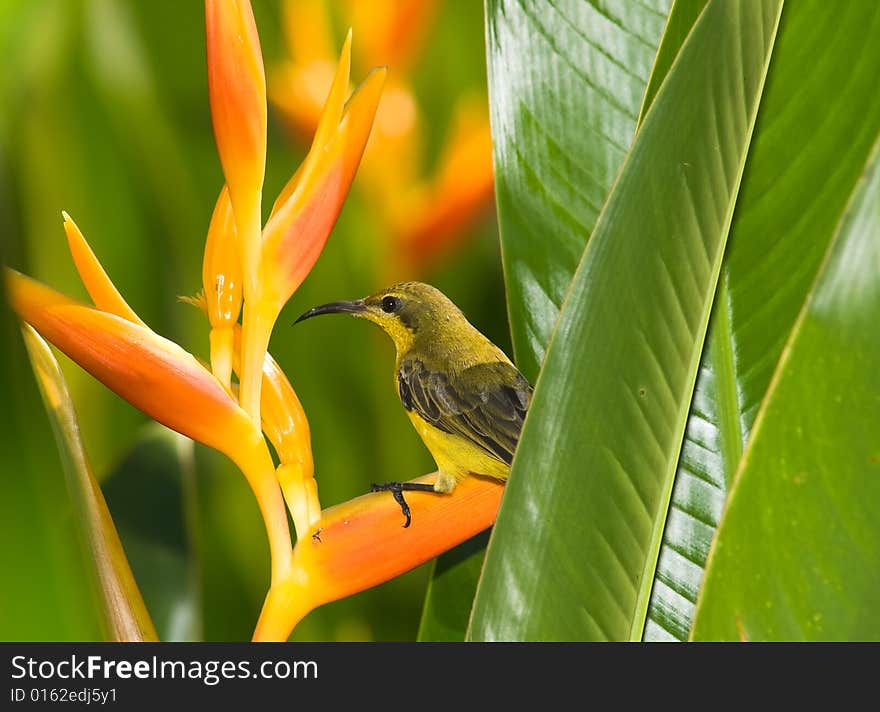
[{"x": 456, "y": 457}]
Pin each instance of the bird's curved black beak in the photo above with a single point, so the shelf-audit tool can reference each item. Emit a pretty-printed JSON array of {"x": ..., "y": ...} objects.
[{"x": 355, "y": 307}]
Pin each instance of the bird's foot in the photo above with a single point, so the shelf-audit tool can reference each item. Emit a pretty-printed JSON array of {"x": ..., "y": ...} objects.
[{"x": 397, "y": 489}]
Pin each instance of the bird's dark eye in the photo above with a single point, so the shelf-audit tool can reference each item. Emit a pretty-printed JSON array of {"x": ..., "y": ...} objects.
[{"x": 390, "y": 304}]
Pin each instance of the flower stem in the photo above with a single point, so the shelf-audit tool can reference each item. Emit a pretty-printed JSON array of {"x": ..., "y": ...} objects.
[
  {"x": 257, "y": 323},
  {"x": 286, "y": 604},
  {"x": 221, "y": 338},
  {"x": 256, "y": 464}
]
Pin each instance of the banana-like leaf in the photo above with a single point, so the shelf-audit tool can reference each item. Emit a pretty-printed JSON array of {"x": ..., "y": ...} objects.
[
  {"x": 122, "y": 611},
  {"x": 682, "y": 16},
  {"x": 591, "y": 481},
  {"x": 152, "y": 495},
  {"x": 575, "y": 90},
  {"x": 818, "y": 119},
  {"x": 797, "y": 555},
  {"x": 566, "y": 81}
]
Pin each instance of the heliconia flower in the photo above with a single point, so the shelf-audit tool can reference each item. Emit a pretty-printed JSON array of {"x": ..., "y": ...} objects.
[
  {"x": 221, "y": 280},
  {"x": 358, "y": 544},
  {"x": 153, "y": 374}
]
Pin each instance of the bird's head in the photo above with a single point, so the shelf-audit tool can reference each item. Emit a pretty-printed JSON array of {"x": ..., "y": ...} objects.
[{"x": 407, "y": 312}]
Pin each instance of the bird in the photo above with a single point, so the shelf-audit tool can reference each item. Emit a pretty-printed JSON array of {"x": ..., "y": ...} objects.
[{"x": 464, "y": 396}]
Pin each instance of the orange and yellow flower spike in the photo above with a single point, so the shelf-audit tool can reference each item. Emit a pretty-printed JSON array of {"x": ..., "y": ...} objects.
[
  {"x": 221, "y": 280},
  {"x": 164, "y": 381},
  {"x": 357, "y": 545}
]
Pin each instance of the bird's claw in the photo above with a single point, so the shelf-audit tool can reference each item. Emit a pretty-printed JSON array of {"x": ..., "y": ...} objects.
[{"x": 396, "y": 489}]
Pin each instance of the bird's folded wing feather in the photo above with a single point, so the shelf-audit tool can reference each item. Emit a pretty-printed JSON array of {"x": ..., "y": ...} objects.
[{"x": 485, "y": 404}]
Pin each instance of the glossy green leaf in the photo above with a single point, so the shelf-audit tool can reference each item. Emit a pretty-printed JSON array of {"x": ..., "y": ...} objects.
[
  {"x": 817, "y": 122},
  {"x": 594, "y": 61},
  {"x": 566, "y": 80},
  {"x": 591, "y": 481},
  {"x": 123, "y": 615},
  {"x": 151, "y": 493},
  {"x": 451, "y": 590},
  {"x": 682, "y": 16},
  {"x": 797, "y": 555}
]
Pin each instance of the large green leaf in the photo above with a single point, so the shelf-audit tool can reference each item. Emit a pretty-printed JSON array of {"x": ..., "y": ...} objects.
[
  {"x": 585, "y": 60},
  {"x": 817, "y": 122},
  {"x": 591, "y": 481},
  {"x": 797, "y": 555},
  {"x": 566, "y": 81},
  {"x": 121, "y": 608},
  {"x": 682, "y": 16}
]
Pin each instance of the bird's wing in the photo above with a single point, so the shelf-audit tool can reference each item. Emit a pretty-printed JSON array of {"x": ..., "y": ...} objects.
[{"x": 485, "y": 404}]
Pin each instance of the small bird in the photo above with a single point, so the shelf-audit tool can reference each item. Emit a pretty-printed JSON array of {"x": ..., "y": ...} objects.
[{"x": 465, "y": 398}]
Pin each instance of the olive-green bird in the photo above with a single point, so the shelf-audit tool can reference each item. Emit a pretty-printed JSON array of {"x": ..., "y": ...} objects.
[{"x": 465, "y": 398}]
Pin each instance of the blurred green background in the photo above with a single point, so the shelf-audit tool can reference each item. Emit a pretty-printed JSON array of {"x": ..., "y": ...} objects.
[{"x": 105, "y": 115}]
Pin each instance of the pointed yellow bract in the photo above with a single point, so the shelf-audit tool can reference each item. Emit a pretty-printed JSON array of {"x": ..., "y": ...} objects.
[
  {"x": 310, "y": 203},
  {"x": 102, "y": 291}
]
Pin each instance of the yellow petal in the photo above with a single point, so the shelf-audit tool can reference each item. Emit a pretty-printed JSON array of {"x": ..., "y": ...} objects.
[
  {"x": 332, "y": 113},
  {"x": 221, "y": 277},
  {"x": 221, "y": 268},
  {"x": 102, "y": 291}
]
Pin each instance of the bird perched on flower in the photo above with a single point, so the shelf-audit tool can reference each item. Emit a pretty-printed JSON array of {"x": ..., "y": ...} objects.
[{"x": 465, "y": 398}]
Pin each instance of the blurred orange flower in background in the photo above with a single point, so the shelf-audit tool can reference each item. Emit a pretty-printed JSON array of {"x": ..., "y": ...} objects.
[{"x": 424, "y": 213}]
